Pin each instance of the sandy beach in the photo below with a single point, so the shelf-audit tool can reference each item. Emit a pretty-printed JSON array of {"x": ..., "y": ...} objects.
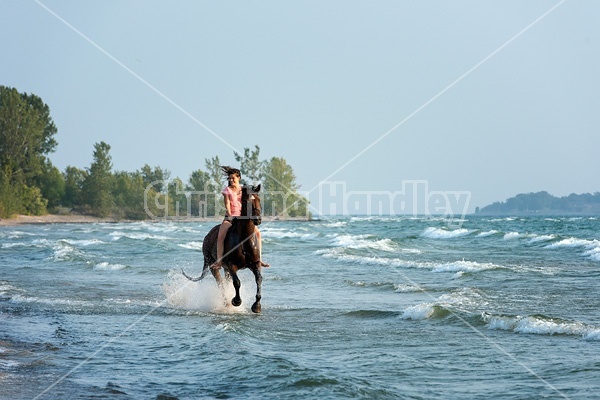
[
  {"x": 52, "y": 219},
  {"x": 79, "y": 219}
]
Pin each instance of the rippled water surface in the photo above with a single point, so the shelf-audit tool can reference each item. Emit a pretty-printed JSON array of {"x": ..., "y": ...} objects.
[{"x": 406, "y": 308}]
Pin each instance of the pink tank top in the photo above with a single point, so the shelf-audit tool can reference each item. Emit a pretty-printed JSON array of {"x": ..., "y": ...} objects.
[{"x": 235, "y": 201}]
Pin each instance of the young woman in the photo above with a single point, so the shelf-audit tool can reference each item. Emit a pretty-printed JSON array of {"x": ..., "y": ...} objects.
[{"x": 232, "y": 197}]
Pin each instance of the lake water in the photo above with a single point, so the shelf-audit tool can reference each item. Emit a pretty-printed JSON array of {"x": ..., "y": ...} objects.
[{"x": 353, "y": 307}]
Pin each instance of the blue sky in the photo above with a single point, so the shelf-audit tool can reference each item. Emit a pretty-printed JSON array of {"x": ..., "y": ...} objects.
[{"x": 465, "y": 95}]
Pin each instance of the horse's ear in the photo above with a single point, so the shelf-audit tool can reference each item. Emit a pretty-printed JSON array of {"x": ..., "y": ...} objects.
[{"x": 256, "y": 189}]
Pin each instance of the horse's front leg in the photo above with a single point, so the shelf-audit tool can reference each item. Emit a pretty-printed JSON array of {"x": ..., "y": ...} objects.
[
  {"x": 258, "y": 277},
  {"x": 217, "y": 274},
  {"x": 237, "y": 300}
]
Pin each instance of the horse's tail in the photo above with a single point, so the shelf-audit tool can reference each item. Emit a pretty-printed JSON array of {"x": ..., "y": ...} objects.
[{"x": 204, "y": 272}]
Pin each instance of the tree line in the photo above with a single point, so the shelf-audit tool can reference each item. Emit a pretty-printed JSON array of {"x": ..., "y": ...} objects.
[
  {"x": 543, "y": 202},
  {"x": 31, "y": 185}
]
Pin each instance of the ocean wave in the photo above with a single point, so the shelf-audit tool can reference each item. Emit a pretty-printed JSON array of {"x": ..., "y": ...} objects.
[
  {"x": 17, "y": 244},
  {"x": 425, "y": 311},
  {"x": 441, "y": 233},
  {"x": 338, "y": 254},
  {"x": 192, "y": 245},
  {"x": 105, "y": 266},
  {"x": 540, "y": 325},
  {"x": 592, "y": 247},
  {"x": 542, "y": 238},
  {"x": 462, "y": 300},
  {"x": 6, "y": 288},
  {"x": 282, "y": 233},
  {"x": 460, "y": 267},
  {"x": 337, "y": 224},
  {"x": 363, "y": 242},
  {"x": 573, "y": 242},
  {"x": 404, "y": 288},
  {"x": 593, "y": 253},
  {"x": 63, "y": 251},
  {"x": 17, "y": 234},
  {"x": 465, "y": 266},
  {"x": 8, "y": 364},
  {"x": 488, "y": 233},
  {"x": 399, "y": 288},
  {"x": 372, "y": 314},
  {"x": 511, "y": 235},
  {"x": 88, "y": 242},
  {"x": 507, "y": 219},
  {"x": 92, "y": 307},
  {"x": 18, "y": 298},
  {"x": 117, "y": 235}
]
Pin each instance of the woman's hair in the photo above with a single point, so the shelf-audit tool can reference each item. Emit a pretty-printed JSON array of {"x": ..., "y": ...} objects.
[{"x": 228, "y": 171}]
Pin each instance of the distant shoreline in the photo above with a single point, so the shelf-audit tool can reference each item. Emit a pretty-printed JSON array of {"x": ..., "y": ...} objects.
[
  {"x": 52, "y": 219},
  {"x": 88, "y": 219}
]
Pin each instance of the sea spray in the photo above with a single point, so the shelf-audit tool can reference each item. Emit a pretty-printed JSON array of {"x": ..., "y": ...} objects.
[{"x": 204, "y": 295}]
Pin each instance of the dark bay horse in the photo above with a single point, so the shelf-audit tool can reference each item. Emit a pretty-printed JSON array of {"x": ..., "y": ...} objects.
[{"x": 240, "y": 248}]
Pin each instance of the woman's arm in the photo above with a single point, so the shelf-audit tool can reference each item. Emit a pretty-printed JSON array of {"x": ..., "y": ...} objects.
[{"x": 227, "y": 206}]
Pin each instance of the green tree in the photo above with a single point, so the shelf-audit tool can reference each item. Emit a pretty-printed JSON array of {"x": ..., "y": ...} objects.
[
  {"x": 128, "y": 195},
  {"x": 26, "y": 137},
  {"x": 213, "y": 168},
  {"x": 97, "y": 187},
  {"x": 156, "y": 177},
  {"x": 251, "y": 166},
  {"x": 52, "y": 185},
  {"x": 281, "y": 190},
  {"x": 26, "y": 134},
  {"x": 178, "y": 201},
  {"x": 202, "y": 194},
  {"x": 74, "y": 180},
  {"x": 9, "y": 201}
]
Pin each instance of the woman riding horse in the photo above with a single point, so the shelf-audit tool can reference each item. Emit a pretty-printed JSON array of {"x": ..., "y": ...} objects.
[{"x": 241, "y": 248}]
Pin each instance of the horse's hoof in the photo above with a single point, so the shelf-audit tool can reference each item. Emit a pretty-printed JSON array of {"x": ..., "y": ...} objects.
[
  {"x": 236, "y": 301},
  {"x": 256, "y": 308}
]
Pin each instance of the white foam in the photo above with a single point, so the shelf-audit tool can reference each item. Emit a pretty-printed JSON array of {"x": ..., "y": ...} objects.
[
  {"x": 488, "y": 233},
  {"x": 6, "y": 287},
  {"x": 117, "y": 235},
  {"x": 205, "y": 296},
  {"x": 419, "y": 312},
  {"x": 542, "y": 238},
  {"x": 503, "y": 219},
  {"x": 464, "y": 266},
  {"x": 280, "y": 233},
  {"x": 593, "y": 253},
  {"x": 363, "y": 242},
  {"x": 440, "y": 233},
  {"x": 8, "y": 364},
  {"x": 592, "y": 247},
  {"x": 511, "y": 235},
  {"x": 18, "y": 234},
  {"x": 11, "y": 245},
  {"x": 456, "y": 266},
  {"x": 192, "y": 245},
  {"x": 339, "y": 255},
  {"x": 104, "y": 266},
  {"x": 592, "y": 334},
  {"x": 53, "y": 302},
  {"x": 89, "y": 242},
  {"x": 572, "y": 242},
  {"x": 541, "y": 326},
  {"x": 338, "y": 224},
  {"x": 465, "y": 299},
  {"x": 64, "y": 252},
  {"x": 402, "y": 288}
]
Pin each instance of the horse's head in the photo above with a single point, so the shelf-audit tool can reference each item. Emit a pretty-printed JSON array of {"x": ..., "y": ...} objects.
[{"x": 251, "y": 203}]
